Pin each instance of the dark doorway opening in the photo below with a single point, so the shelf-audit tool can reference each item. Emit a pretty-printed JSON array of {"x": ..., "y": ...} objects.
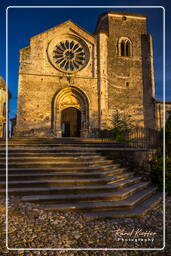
[{"x": 71, "y": 122}]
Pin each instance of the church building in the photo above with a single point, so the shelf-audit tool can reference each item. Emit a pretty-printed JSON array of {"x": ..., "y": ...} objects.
[{"x": 72, "y": 82}]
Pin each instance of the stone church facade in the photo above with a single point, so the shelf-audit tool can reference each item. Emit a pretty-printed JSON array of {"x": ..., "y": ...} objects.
[{"x": 72, "y": 82}]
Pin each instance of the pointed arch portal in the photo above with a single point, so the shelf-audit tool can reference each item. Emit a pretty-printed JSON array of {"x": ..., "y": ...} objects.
[{"x": 70, "y": 113}]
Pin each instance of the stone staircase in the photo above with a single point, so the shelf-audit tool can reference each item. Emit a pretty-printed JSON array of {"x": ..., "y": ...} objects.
[{"x": 74, "y": 175}]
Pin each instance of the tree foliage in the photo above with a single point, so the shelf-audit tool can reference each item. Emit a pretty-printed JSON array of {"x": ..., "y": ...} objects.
[
  {"x": 120, "y": 120},
  {"x": 120, "y": 126}
]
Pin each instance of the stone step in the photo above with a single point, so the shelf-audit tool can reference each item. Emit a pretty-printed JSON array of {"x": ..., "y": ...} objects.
[
  {"x": 139, "y": 211},
  {"x": 62, "y": 169},
  {"x": 43, "y": 154},
  {"x": 43, "y": 149},
  {"x": 61, "y": 175},
  {"x": 68, "y": 182},
  {"x": 55, "y": 157},
  {"x": 74, "y": 174},
  {"x": 48, "y": 152},
  {"x": 98, "y": 196},
  {"x": 129, "y": 202},
  {"x": 74, "y": 189},
  {"x": 73, "y": 163},
  {"x": 74, "y": 150},
  {"x": 46, "y": 144},
  {"x": 69, "y": 140}
]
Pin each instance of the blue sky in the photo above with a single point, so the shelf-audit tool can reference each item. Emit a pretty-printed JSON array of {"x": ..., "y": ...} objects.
[{"x": 27, "y": 22}]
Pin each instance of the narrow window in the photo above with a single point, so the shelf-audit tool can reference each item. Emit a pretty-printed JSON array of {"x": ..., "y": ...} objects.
[
  {"x": 127, "y": 84},
  {"x": 122, "y": 50},
  {"x": 128, "y": 50},
  {"x": 4, "y": 130},
  {"x": 4, "y": 109}
]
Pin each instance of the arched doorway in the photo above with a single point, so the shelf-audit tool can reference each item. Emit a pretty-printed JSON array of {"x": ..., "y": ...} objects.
[
  {"x": 70, "y": 101},
  {"x": 71, "y": 122}
]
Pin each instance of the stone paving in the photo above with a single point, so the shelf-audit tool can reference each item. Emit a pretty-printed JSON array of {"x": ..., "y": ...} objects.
[{"x": 29, "y": 226}]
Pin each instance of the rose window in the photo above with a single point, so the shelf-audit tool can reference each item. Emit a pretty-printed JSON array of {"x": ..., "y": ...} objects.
[{"x": 69, "y": 55}]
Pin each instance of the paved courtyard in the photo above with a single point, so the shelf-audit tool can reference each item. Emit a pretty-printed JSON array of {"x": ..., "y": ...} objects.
[{"x": 29, "y": 226}]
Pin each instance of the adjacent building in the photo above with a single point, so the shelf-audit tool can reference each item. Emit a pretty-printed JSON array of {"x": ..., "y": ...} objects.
[
  {"x": 160, "y": 109},
  {"x": 2, "y": 108}
]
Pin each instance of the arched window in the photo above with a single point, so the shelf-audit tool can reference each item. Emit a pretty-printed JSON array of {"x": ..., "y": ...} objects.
[{"x": 125, "y": 47}]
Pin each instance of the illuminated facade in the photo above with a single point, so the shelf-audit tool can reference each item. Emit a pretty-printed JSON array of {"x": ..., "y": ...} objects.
[{"x": 71, "y": 82}]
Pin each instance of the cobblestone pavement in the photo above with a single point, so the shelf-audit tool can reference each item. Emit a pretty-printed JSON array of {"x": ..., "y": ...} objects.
[{"x": 30, "y": 226}]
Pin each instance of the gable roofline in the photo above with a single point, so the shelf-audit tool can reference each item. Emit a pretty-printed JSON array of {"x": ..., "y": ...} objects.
[{"x": 62, "y": 24}]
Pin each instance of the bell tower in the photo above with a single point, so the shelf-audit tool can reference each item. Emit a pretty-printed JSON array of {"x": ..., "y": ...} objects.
[{"x": 126, "y": 69}]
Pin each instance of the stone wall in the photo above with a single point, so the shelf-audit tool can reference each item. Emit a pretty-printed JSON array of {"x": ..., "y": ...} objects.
[{"x": 137, "y": 160}]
